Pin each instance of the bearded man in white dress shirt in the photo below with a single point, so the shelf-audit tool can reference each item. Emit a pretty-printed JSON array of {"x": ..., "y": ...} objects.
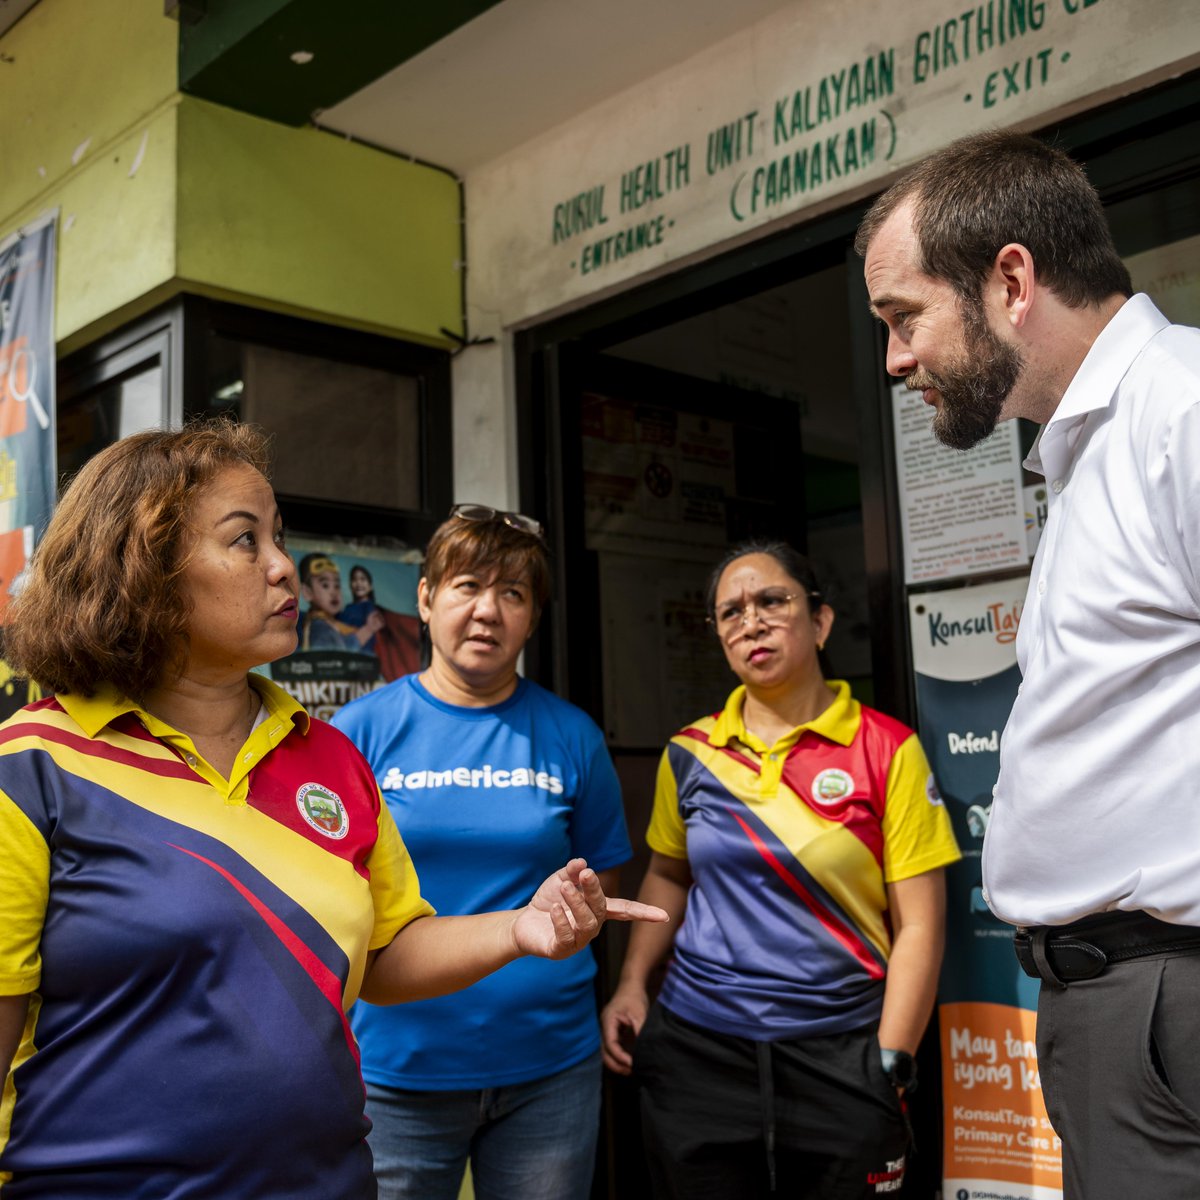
[{"x": 992, "y": 266}]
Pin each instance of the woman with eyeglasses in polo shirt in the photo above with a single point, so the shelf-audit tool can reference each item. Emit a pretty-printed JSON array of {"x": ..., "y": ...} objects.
[
  {"x": 488, "y": 776},
  {"x": 802, "y": 836}
]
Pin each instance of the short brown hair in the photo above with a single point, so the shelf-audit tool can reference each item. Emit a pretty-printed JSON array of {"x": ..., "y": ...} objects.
[
  {"x": 459, "y": 547},
  {"x": 981, "y": 192},
  {"x": 103, "y": 602}
]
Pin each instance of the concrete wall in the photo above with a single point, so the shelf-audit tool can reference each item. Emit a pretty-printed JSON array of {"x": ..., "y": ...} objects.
[
  {"x": 87, "y": 125},
  {"x": 813, "y": 107},
  {"x": 160, "y": 193},
  {"x": 310, "y": 223}
]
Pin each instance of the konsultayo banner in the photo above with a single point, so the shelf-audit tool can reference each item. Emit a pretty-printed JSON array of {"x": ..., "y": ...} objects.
[{"x": 998, "y": 1141}]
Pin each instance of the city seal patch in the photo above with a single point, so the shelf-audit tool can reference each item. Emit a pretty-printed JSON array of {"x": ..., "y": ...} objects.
[
  {"x": 323, "y": 810},
  {"x": 831, "y": 785}
]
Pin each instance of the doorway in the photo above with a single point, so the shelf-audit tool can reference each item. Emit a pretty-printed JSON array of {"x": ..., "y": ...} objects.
[
  {"x": 660, "y": 429},
  {"x": 772, "y": 345}
]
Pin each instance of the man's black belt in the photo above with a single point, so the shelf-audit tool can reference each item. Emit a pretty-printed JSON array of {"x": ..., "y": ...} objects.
[{"x": 1062, "y": 954}]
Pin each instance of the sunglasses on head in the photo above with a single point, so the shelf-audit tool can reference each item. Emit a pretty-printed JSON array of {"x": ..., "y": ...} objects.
[{"x": 484, "y": 512}]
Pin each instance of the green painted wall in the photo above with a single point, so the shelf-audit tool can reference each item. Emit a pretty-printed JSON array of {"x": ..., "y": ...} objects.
[
  {"x": 310, "y": 222},
  {"x": 160, "y": 193},
  {"x": 81, "y": 83},
  {"x": 75, "y": 71}
]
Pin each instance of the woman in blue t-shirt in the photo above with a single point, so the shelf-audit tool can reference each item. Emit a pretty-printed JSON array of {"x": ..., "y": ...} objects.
[{"x": 489, "y": 777}]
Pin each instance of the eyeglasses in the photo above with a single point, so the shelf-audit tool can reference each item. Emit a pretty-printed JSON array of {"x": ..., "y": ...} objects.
[
  {"x": 484, "y": 512},
  {"x": 772, "y": 607}
]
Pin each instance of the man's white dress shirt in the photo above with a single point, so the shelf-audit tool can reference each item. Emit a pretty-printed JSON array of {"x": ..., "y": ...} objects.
[{"x": 1097, "y": 805}]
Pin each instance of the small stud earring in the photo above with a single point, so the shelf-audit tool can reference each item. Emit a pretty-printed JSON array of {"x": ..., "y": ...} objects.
[{"x": 820, "y": 645}]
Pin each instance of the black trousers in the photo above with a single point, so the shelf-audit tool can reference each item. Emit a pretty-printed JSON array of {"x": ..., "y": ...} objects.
[
  {"x": 725, "y": 1118},
  {"x": 1119, "y": 1057}
]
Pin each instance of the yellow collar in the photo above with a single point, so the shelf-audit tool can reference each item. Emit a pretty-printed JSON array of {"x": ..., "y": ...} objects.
[
  {"x": 839, "y": 722},
  {"x": 95, "y": 713}
]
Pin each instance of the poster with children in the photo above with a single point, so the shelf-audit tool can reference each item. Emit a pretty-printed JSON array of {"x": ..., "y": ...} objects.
[{"x": 358, "y": 626}]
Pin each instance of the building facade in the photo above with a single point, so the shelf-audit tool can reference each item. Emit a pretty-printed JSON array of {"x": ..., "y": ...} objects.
[{"x": 591, "y": 262}]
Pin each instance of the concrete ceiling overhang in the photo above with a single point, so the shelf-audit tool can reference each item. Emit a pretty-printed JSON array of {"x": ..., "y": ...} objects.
[
  {"x": 289, "y": 59},
  {"x": 457, "y": 83}
]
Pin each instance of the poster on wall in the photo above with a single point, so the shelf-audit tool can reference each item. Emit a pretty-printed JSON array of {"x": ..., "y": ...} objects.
[
  {"x": 962, "y": 512},
  {"x": 654, "y": 478},
  {"x": 997, "y": 1137},
  {"x": 358, "y": 623},
  {"x": 27, "y": 444}
]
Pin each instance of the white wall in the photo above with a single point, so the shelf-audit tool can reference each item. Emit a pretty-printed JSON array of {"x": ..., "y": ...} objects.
[{"x": 871, "y": 89}]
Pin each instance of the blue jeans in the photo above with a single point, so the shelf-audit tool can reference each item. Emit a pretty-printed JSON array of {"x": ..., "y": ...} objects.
[{"x": 527, "y": 1141}]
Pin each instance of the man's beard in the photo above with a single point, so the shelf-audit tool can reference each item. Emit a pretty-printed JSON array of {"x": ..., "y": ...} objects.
[{"x": 974, "y": 389}]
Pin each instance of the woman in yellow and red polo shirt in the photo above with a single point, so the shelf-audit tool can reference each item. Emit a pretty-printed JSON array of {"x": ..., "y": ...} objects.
[
  {"x": 197, "y": 879},
  {"x": 803, "y": 838}
]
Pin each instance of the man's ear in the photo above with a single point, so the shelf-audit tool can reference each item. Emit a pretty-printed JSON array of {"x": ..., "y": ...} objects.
[{"x": 1012, "y": 283}]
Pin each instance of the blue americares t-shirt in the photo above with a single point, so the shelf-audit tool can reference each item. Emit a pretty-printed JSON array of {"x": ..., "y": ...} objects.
[{"x": 489, "y": 802}]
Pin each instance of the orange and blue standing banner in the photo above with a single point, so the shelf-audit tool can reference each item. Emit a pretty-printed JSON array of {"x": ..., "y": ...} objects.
[
  {"x": 27, "y": 427},
  {"x": 997, "y": 1139}
]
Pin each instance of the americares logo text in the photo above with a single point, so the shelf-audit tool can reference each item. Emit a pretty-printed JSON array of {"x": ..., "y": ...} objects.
[{"x": 487, "y": 776}]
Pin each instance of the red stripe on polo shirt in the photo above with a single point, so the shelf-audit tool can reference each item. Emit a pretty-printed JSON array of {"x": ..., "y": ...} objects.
[
  {"x": 325, "y": 980},
  {"x": 858, "y": 817},
  {"x": 835, "y": 928},
  {"x": 94, "y": 748},
  {"x": 698, "y": 735}
]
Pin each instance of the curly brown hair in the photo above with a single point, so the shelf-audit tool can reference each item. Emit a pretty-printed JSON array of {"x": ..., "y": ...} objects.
[{"x": 102, "y": 602}]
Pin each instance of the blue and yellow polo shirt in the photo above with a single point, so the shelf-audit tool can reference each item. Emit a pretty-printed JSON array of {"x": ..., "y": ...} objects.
[
  {"x": 790, "y": 848},
  {"x": 191, "y": 945}
]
